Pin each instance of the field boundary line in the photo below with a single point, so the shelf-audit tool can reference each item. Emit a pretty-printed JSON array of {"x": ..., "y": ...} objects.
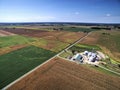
[
  {"x": 79, "y": 40},
  {"x": 109, "y": 70},
  {"x": 12, "y": 83}
]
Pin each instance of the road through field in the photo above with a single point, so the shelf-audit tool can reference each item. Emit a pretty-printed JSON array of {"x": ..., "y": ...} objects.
[
  {"x": 74, "y": 43},
  {"x": 45, "y": 62}
]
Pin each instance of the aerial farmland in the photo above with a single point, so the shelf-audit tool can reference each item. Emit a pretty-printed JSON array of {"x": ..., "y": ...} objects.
[
  {"x": 26, "y": 49},
  {"x": 59, "y": 44}
]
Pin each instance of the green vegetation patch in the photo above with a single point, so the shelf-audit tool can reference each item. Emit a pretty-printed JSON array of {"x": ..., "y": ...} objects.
[
  {"x": 26, "y": 27},
  {"x": 84, "y": 47},
  {"x": 53, "y": 45},
  {"x": 113, "y": 61},
  {"x": 103, "y": 70},
  {"x": 40, "y": 42},
  {"x": 111, "y": 40},
  {"x": 16, "y": 63},
  {"x": 111, "y": 65},
  {"x": 14, "y": 40},
  {"x": 78, "y": 29}
]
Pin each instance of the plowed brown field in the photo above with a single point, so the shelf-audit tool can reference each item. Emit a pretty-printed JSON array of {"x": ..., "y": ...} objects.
[
  {"x": 27, "y": 32},
  {"x": 59, "y": 74},
  {"x": 64, "y": 36},
  {"x": 5, "y": 33}
]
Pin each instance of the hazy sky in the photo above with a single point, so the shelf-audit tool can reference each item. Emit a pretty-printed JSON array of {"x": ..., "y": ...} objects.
[{"x": 100, "y": 11}]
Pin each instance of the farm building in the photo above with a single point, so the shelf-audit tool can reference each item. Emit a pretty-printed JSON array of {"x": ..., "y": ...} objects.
[
  {"x": 86, "y": 57},
  {"x": 92, "y": 57},
  {"x": 86, "y": 53},
  {"x": 78, "y": 57}
]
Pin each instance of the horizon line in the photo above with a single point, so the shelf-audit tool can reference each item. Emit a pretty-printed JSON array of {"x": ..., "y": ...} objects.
[{"x": 62, "y": 22}]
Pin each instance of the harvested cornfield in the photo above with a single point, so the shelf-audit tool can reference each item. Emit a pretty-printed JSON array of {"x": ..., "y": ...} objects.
[{"x": 59, "y": 74}]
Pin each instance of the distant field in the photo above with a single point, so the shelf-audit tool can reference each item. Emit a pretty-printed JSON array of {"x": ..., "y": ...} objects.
[
  {"x": 5, "y": 50},
  {"x": 109, "y": 41},
  {"x": 4, "y": 33},
  {"x": 79, "y": 29},
  {"x": 51, "y": 40},
  {"x": 14, "y": 40},
  {"x": 70, "y": 37},
  {"x": 60, "y": 74},
  {"x": 65, "y": 36},
  {"x": 52, "y": 45},
  {"x": 56, "y": 41},
  {"x": 16, "y": 63},
  {"x": 45, "y": 28},
  {"x": 29, "y": 26}
]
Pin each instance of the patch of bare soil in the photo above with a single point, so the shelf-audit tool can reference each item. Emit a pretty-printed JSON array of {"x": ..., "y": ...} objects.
[
  {"x": 5, "y": 33},
  {"x": 59, "y": 74},
  {"x": 91, "y": 39},
  {"x": 70, "y": 37},
  {"x": 64, "y": 36}
]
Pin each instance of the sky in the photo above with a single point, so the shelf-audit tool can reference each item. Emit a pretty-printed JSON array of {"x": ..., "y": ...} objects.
[{"x": 89, "y": 11}]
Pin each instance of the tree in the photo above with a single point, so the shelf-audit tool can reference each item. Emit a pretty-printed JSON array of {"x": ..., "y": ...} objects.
[{"x": 73, "y": 52}]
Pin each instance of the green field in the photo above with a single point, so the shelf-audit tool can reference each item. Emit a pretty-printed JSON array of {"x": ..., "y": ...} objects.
[
  {"x": 78, "y": 29},
  {"x": 16, "y": 63},
  {"x": 14, "y": 40},
  {"x": 28, "y": 27},
  {"x": 52, "y": 45},
  {"x": 84, "y": 47},
  {"x": 111, "y": 40}
]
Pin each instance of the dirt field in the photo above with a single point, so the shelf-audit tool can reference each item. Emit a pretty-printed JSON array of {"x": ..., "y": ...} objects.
[
  {"x": 91, "y": 39},
  {"x": 5, "y": 33},
  {"x": 64, "y": 75},
  {"x": 27, "y": 32},
  {"x": 63, "y": 36}
]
